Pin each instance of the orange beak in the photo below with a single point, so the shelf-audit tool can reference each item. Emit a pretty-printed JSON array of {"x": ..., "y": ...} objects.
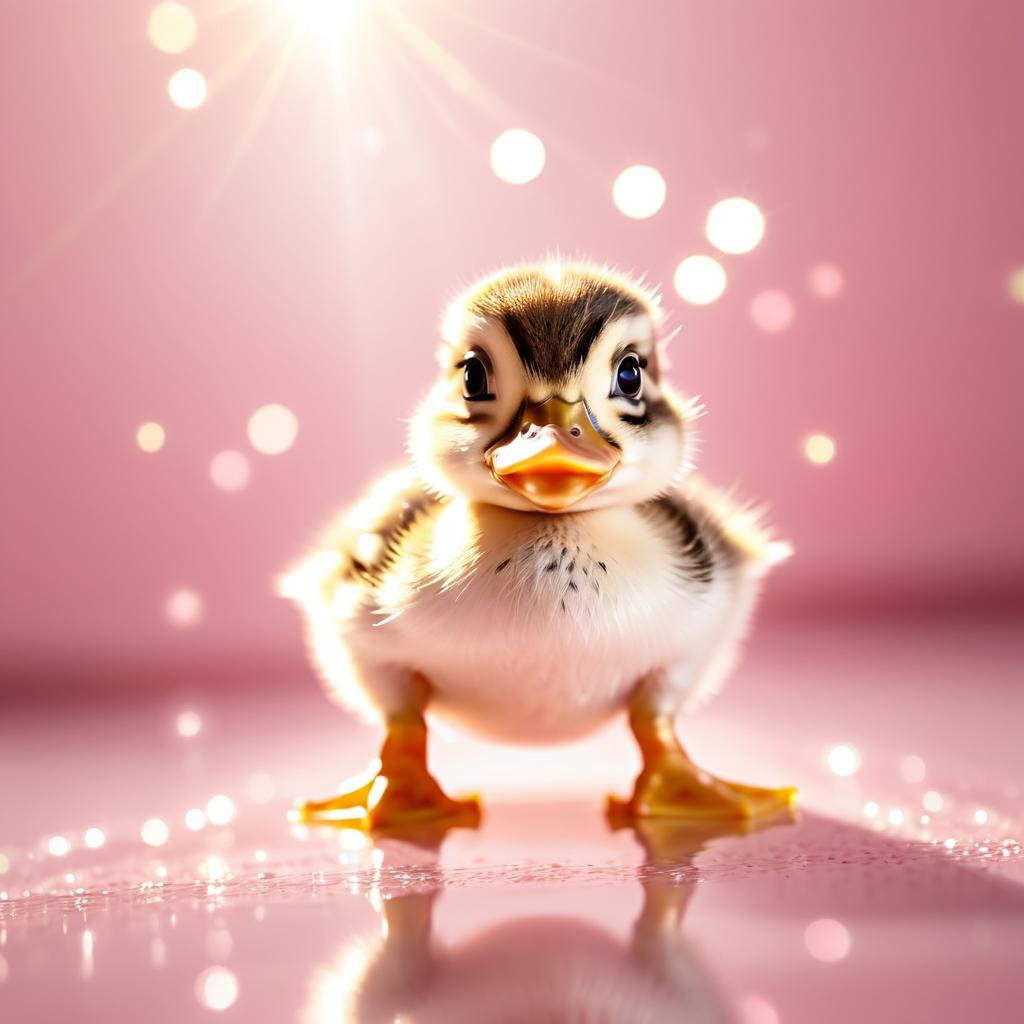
[{"x": 553, "y": 456}]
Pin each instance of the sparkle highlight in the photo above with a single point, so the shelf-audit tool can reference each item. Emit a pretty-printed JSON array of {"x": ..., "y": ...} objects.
[
  {"x": 230, "y": 471},
  {"x": 58, "y": 846},
  {"x": 735, "y": 225},
  {"x": 94, "y": 838},
  {"x": 217, "y": 988},
  {"x": 517, "y": 156},
  {"x": 187, "y": 88},
  {"x": 150, "y": 437},
  {"x": 772, "y": 311},
  {"x": 827, "y": 940},
  {"x": 183, "y": 608},
  {"x": 843, "y": 760},
  {"x": 699, "y": 280},
  {"x": 155, "y": 832},
  {"x": 220, "y": 809},
  {"x": 188, "y": 724},
  {"x": 171, "y": 27},
  {"x": 639, "y": 192},
  {"x": 273, "y": 429},
  {"x": 820, "y": 449}
]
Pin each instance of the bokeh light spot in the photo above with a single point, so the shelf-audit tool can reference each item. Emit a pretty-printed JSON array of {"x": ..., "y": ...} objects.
[
  {"x": 912, "y": 768},
  {"x": 825, "y": 280},
  {"x": 827, "y": 940},
  {"x": 183, "y": 608},
  {"x": 699, "y": 280},
  {"x": 215, "y": 868},
  {"x": 1016, "y": 285},
  {"x": 94, "y": 838},
  {"x": 353, "y": 841},
  {"x": 187, "y": 88},
  {"x": 771, "y": 311},
  {"x": 171, "y": 27},
  {"x": 820, "y": 449},
  {"x": 220, "y": 809},
  {"x": 155, "y": 832},
  {"x": 895, "y": 816},
  {"x": 639, "y": 191},
  {"x": 517, "y": 156},
  {"x": 230, "y": 471},
  {"x": 980, "y": 816},
  {"x": 735, "y": 225},
  {"x": 188, "y": 724},
  {"x": 755, "y": 1009},
  {"x": 843, "y": 760},
  {"x": 195, "y": 820},
  {"x": 5, "y": 863},
  {"x": 932, "y": 801},
  {"x": 871, "y": 809},
  {"x": 273, "y": 429},
  {"x": 58, "y": 846},
  {"x": 150, "y": 437},
  {"x": 217, "y": 988}
]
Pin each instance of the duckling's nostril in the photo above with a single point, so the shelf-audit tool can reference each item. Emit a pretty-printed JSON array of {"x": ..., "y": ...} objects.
[{"x": 575, "y": 431}]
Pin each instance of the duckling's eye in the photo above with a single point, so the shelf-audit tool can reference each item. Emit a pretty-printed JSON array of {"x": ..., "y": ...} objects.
[
  {"x": 475, "y": 383},
  {"x": 629, "y": 379}
]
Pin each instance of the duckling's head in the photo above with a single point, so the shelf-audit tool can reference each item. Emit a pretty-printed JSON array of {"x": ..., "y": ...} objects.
[{"x": 551, "y": 395}]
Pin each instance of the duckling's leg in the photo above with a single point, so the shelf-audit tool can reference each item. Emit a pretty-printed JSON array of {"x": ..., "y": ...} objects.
[
  {"x": 672, "y": 786},
  {"x": 397, "y": 791}
]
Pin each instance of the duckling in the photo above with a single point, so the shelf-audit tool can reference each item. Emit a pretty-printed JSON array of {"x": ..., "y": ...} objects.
[{"x": 546, "y": 560}]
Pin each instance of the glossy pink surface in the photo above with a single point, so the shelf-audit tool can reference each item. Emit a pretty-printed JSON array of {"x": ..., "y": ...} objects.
[{"x": 850, "y": 913}]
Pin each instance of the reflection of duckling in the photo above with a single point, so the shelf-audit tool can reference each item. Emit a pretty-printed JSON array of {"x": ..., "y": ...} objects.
[
  {"x": 540, "y": 968},
  {"x": 544, "y": 563}
]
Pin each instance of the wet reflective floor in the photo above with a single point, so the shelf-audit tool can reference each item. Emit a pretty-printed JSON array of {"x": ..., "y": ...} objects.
[{"x": 149, "y": 870}]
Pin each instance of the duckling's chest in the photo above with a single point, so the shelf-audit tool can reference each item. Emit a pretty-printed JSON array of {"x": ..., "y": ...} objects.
[
  {"x": 552, "y": 620},
  {"x": 594, "y": 571}
]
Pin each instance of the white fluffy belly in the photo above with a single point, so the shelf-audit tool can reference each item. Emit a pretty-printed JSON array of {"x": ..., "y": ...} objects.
[
  {"x": 538, "y": 629},
  {"x": 531, "y": 691},
  {"x": 550, "y": 632}
]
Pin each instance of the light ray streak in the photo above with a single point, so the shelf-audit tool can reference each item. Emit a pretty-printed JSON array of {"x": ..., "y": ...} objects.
[
  {"x": 453, "y": 72},
  {"x": 252, "y": 124},
  {"x": 125, "y": 173}
]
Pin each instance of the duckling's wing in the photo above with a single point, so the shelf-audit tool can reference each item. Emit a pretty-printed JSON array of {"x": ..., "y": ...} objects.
[
  {"x": 717, "y": 533},
  {"x": 736, "y": 532},
  {"x": 342, "y": 573},
  {"x": 360, "y": 542}
]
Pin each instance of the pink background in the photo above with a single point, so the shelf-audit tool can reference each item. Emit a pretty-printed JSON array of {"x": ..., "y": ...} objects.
[{"x": 190, "y": 266}]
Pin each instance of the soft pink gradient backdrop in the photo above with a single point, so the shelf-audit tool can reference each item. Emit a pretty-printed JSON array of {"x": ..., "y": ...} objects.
[{"x": 188, "y": 267}]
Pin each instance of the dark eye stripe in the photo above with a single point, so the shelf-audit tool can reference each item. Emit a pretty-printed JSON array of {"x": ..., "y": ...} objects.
[{"x": 635, "y": 421}]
